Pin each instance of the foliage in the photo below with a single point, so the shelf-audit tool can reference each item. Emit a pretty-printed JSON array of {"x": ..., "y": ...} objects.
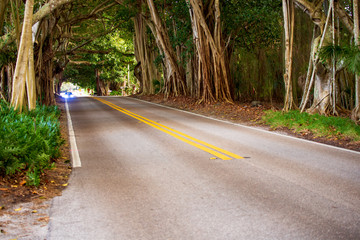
[
  {"x": 7, "y": 57},
  {"x": 256, "y": 64},
  {"x": 319, "y": 125},
  {"x": 126, "y": 91},
  {"x": 112, "y": 55},
  {"x": 116, "y": 61},
  {"x": 28, "y": 141},
  {"x": 256, "y": 75},
  {"x": 82, "y": 75},
  {"x": 116, "y": 93},
  {"x": 253, "y": 23},
  {"x": 349, "y": 56},
  {"x": 180, "y": 34}
]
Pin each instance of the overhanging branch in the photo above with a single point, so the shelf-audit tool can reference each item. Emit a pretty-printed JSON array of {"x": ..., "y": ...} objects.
[{"x": 42, "y": 13}]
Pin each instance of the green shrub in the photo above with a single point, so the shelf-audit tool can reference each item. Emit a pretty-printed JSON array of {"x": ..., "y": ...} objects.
[
  {"x": 319, "y": 125},
  {"x": 116, "y": 93},
  {"x": 28, "y": 140}
]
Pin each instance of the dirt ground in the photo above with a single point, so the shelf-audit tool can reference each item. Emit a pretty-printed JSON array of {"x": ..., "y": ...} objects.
[{"x": 24, "y": 210}]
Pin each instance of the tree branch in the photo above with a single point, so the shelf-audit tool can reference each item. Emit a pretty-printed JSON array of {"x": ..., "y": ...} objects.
[
  {"x": 344, "y": 16},
  {"x": 42, "y": 13},
  {"x": 92, "y": 14},
  {"x": 92, "y": 39}
]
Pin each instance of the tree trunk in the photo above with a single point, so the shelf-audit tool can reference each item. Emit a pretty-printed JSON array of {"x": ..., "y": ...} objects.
[
  {"x": 356, "y": 112},
  {"x": 3, "y": 6},
  {"x": 145, "y": 56},
  {"x": 321, "y": 90},
  {"x": 322, "y": 73},
  {"x": 212, "y": 68},
  {"x": 59, "y": 77},
  {"x": 18, "y": 90},
  {"x": 102, "y": 87},
  {"x": 3, "y": 83},
  {"x": 205, "y": 88},
  {"x": 9, "y": 74},
  {"x": 175, "y": 83},
  {"x": 99, "y": 90},
  {"x": 289, "y": 16},
  {"x": 15, "y": 19},
  {"x": 191, "y": 80},
  {"x": 45, "y": 53},
  {"x": 30, "y": 79},
  {"x": 46, "y": 66},
  {"x": 307, "y": 86}
]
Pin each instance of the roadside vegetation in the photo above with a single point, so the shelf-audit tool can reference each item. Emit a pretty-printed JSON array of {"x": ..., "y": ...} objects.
[
  {"x": 215, "y": 52},
  {"x": 29, "y": 141},
  {"x": 318, "y": 125}
]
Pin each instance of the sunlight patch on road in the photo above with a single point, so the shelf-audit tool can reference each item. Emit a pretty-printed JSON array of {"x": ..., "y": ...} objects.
[{"x": 213, "y": 150}]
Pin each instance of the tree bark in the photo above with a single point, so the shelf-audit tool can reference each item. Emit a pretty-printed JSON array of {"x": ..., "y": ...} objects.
[
  {"x": 344, "y": 16},
  {"x": 10, "y": 69},
  {"x": 3, "y": 83},
  {"x": 44, "y": 61},
  {"x": 356, "y": 112},
  {"x": 213, "y": 67},
  {"x": 175, "y": 83},
  {"x": 3, "y": 6},
  {"x": 321, "y": 90},
  {"x": 288, "y": 11},
  {"x": 307, "y": 85},
  {"x": 18, "y": 90},
  {"x": 30, "y": 78},
  {"x": 102, "y": 87},
  {"x": 324, "y": 97},
  {"x": 145, "y": 56}
]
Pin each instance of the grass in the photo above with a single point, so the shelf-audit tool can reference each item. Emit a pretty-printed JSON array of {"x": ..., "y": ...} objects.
[{"x": 320, "y": 126}]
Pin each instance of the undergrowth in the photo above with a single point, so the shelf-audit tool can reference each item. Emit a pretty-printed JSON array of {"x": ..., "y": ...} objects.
[
  {"x": 29, "y": 141},
  {"x": 320, "y": 126}
]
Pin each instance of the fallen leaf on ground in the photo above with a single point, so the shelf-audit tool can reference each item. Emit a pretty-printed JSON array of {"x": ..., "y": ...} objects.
[
  {"x": 22, "y": 183},
  {"x": 43, "y": 219},
  {"x": 17, "y": 210},
  {"x": 64, "y": 185},
  {"x": 14, "y": 186},
  {"x": 4, "y": 189}
]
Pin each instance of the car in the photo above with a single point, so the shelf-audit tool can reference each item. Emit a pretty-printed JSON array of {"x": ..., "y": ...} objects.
[{"x": 67, "y": 95}]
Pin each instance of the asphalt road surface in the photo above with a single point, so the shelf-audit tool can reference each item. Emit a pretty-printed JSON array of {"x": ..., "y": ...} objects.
[{"x": 150, "y": 172}]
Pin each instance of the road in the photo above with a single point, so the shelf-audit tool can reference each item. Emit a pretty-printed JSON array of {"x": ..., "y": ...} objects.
[{"x": 151, "y": 172}]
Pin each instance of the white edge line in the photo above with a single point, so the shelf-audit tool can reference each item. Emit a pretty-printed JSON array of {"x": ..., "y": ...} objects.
[
  {"x": 73, "y": 147},
  {"x": 249, "y": 127}
]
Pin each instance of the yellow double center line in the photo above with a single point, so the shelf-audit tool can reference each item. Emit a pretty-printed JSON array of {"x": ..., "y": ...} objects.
[{"x": 216, "y": 151}]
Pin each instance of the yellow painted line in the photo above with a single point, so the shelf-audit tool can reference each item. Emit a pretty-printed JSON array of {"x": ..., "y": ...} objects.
[
  {"x": 175, "y": 131},
  {"x": 172, "y": 132},
  {"x": 211, "y": 151}
]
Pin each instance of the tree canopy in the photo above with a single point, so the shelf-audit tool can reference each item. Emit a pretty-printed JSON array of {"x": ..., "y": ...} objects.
[{"x": 212, "y": 50}]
